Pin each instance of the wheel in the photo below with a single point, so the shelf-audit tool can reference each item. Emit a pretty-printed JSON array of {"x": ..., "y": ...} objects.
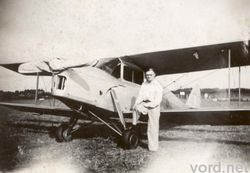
[
  {"x": 62, "y": 134},
  {"x": 130, "y": 139}
]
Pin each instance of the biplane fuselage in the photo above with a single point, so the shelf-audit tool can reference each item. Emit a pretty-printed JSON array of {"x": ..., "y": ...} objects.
[{"x": 91, "y": 85}]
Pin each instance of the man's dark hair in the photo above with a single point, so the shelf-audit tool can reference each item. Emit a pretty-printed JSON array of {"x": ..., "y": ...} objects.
[{"x": 151, "y": 69}]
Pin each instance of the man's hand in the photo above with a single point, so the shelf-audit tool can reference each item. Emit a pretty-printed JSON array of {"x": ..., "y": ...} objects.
[{"x": 148, "y": 105}]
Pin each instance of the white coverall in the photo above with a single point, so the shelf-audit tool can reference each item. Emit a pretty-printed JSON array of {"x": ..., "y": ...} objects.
[{"x": 148, "y": 102}]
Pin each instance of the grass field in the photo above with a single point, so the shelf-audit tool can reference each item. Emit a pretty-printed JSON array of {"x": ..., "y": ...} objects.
[{"x": 27, "y": 145}]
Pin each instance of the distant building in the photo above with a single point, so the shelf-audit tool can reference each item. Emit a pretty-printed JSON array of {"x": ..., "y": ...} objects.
[{"x": 215, "y": 93}]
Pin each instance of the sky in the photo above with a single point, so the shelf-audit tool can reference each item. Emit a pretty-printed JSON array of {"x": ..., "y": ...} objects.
[{"x": 91, "y": 29}]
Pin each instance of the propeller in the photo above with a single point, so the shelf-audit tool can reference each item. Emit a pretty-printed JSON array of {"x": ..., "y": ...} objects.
[{"x": 55, "y": 65}]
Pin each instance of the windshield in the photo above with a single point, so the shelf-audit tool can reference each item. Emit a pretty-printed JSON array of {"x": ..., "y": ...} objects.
[{"x": 108, "y": 64}]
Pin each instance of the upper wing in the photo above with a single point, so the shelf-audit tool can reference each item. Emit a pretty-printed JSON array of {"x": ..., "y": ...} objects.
[
  {"x": 193, "y": 59},
  {"x": 32, "y": 70},
  {"x": 39, "y": 109}
]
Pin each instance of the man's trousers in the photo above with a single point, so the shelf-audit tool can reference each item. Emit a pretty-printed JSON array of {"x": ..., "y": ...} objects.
[{"x": 153, "y": 124}]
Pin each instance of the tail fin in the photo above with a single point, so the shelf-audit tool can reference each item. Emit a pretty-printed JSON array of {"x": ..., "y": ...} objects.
[
  {"x": 170, "y": 101},
  {"x": 194, "y": 99}
]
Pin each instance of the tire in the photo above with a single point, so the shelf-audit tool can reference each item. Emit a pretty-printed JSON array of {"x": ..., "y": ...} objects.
[
  {"x": 62, "y": 134},
  {"x": 130, "y": 139}
]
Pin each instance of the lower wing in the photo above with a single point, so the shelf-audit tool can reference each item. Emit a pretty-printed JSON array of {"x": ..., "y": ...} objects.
[
  {"x": 39, "y": 109},
  {"x": 209, "y": 116}
]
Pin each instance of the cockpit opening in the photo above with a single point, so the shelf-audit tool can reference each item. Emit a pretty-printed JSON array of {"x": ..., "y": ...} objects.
[
  {"x": 133, "y": 75},
  {"x": 121, "y": 70},
  {"x": 61, "y": 82}
]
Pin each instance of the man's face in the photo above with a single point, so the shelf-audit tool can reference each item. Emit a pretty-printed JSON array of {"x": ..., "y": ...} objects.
[{"x": 150, "y": 75}]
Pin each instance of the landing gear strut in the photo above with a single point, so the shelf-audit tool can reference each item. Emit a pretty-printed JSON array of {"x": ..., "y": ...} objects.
[
  {"x": 64, "y": 131},
  {"x": 129, "y": 137}
]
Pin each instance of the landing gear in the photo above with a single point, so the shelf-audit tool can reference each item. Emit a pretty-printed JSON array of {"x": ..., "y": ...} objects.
[
  {"x": 64, "y": 131},
  {"x": 130, "y": 139}
]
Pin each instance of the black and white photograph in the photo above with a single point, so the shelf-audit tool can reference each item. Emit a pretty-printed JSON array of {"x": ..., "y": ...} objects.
[{"x": 125, "y": 86}]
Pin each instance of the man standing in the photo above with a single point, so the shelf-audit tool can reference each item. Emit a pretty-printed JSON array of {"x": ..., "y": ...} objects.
[{"x": 148, "y": 102}]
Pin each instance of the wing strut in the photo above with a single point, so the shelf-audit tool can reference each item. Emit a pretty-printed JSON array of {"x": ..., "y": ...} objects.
[
  {"x": 118, "y": 107},
  {"x": 37, "y": 85},
  {"x": 239, "y": 87},
  {"x": 52, "y": 87},
  {"x": 229, "y": 76}
]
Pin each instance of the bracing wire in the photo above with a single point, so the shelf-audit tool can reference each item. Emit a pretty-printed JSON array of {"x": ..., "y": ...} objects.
[
  {"x": 180, "y": 77},
  {"x": 201, "y": 77},
  {"x": 174, "y": 81}
]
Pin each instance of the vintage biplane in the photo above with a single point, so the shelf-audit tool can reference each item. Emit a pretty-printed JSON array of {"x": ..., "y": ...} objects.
[{"x": 107, "y": 88}]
